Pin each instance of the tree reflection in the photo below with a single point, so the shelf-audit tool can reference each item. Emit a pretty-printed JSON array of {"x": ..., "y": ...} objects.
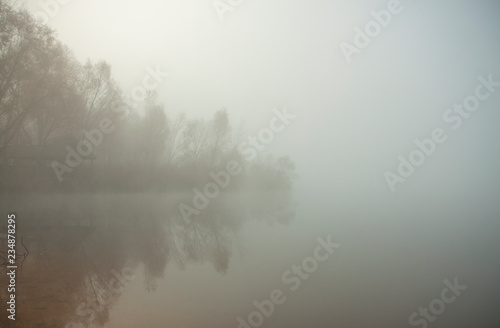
[{"x": 78, "y": 268}]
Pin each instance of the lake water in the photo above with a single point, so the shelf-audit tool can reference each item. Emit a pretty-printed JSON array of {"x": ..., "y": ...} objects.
[{"x": 299, "y": 259}]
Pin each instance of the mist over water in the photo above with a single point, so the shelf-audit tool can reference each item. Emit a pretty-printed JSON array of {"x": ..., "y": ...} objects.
[
  {"x": 211, "y": 270},
  {"x": 249, "y": 164}
]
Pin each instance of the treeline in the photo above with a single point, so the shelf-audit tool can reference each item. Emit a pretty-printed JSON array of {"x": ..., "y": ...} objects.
[{"x": 50, "y": 104}]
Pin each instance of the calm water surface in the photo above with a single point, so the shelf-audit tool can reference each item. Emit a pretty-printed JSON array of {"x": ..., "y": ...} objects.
[{"x": 130, "y": 260}]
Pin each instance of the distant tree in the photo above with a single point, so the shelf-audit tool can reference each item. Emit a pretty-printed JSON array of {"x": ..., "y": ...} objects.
[
  {"x": 154, "y": 130},
  {"x": 194, "y": 142},
  {"x": 219, "y": 135},
  {"x": 101, "y": 95},
  {"x": 172, "y": 142}
]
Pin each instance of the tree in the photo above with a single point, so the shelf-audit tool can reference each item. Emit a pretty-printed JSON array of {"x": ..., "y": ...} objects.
[
  {"x": 57, "y": 113},
  {"x": 155, "y": 129},
  {"x": 173, "y": 136},
  {"x": 101, "y": 95},
  {"x": 194, "y": 141},
  {"x": 25, "y": 65},
  {"x": 219, "y": 134}
]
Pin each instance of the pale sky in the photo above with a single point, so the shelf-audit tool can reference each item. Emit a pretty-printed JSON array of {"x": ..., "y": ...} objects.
[{"x": 353, "y": 119}]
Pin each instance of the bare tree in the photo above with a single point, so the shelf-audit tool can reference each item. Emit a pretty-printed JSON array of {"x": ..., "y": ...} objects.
[{"x": 219, "y": 134}]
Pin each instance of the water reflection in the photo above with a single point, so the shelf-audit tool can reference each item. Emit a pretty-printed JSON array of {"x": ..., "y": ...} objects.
[{"x": 85, "y": 249}]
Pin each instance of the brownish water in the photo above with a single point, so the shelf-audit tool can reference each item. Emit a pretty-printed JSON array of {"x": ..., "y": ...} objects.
[{"x": 130, "y": 260}]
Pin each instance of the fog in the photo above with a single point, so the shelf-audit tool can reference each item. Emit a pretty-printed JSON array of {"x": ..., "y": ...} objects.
[{"x": 208, "y": 147}]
